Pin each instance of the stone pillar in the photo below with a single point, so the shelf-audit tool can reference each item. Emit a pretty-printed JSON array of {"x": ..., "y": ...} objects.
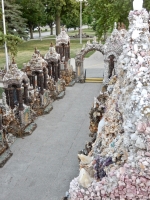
[
  {"x": 7, "y": 95},
  {"x": 26, "y": 94},
  {"x": 59, "y": 50},
  {"x": 49, "y": 69},
  {"x": 53, "y": 70},
  {"x": 45, "y": 79},
  {"x": 19, "y": 94},
  {"x": 11, "y": 98},
  {"x": 59, "y": 69},
  {"x": 41, "y": 82},
  {"x": 66, "y": 52},
  {"x": 38, "y": 80},
  {"x": 33, "y": 81},
  {"x": 56, "y": 72}
]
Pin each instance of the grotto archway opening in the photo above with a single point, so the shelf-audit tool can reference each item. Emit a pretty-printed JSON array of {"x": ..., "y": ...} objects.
[{"x": 79, "y": 59}]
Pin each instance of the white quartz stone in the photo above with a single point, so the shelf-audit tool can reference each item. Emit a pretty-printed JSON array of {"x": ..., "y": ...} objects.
[{"x": 137, "y": 4}]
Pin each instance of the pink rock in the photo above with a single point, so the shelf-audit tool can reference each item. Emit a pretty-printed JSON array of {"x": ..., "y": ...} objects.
[
  {"x": 142, "y": 179},
  {"x": 141, "y": 127},
  {"x": 147, "y": 131},
  {"x": 148, "y": 184},
  {"x": 147, "y": 154}
]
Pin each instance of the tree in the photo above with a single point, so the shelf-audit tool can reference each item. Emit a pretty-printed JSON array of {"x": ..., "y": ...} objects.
[
  {"x": 11, "y": 12},
  {"x": 72, "y": 19},
  {"x": 106, "y": 12},
  {"x": 58, "y": 9},
  {"x": 34, "y": 12},
  {"x": 15, "y": 24}
]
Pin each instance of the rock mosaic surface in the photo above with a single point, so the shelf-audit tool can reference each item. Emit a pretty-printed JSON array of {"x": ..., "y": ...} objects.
[{"x": 121, "y": 153}]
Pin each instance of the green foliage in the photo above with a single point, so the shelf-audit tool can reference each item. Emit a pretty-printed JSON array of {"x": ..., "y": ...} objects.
[
  {"x": 72, "y": 19},
  {"x": 12, "y": 44},
  {"x": 15, "y": 23},
  {"x": 33, "y": 11},
  {"x": 2, "y": 39},
  {"x": 105, "y": 12}
]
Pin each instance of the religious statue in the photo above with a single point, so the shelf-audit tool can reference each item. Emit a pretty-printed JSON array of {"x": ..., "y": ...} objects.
[{"x": 137, "y": 4}]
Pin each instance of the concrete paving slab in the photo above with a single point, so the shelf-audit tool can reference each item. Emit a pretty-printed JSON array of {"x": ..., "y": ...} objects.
[{"x": 44, "y": 163}]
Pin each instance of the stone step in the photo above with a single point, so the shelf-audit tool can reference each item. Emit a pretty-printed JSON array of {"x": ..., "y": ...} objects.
[{"x": 93, "y": 80}]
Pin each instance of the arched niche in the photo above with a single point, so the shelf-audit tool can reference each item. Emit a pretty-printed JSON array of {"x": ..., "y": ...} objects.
[
  {"x": 94, "y": 46},
  {"x": 14, "y": 81}
]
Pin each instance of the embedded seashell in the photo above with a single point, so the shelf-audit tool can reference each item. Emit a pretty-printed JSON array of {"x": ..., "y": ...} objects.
[
  {"x": 141, "y": 127},
  {"x": 85, "y": 159},
  {"x": 148, "y": 183},
  {"x": 133, "y": 136},
  {"x": 135, "y": 47},
  {"x": 129, "y": 53},
  {"x": 140, "y": 143},
  {"x": 142, "y": 53},
  {"x": 147, "y": 154},
  {"x": 84, "y": 179},
  {"x": 147, "y": 131},
  {"x": 101, "y": 125},
  {"x": 135, "y": 34},
  {"x": 140, "y": 59}
]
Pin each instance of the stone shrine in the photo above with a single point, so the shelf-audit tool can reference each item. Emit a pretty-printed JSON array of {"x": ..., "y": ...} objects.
[
  {"x": 39, "y": 94},
  {"x": 19, "y": 118},
  {"x": 63, "y": 48}
]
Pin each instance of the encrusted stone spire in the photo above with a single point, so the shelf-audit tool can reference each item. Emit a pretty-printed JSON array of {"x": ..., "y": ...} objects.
[{"x": 137, "y": 4}]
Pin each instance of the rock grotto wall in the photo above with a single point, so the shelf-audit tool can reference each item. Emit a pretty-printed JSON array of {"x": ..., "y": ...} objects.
[{"x": 120, "y": 156}]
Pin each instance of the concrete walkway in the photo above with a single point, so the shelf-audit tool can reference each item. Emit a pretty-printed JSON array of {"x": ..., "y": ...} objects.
[
  {"x": 44, "y": 163},
  {"x": 94, "y": 65}
]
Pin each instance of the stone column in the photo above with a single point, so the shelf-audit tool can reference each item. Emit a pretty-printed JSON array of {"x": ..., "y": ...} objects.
[
  {"x": 56, "y": 72},
  {"x": 33, "y": 81},
  {"x": 11, "y": 98},
  {"x": 59, "y": 69},
  {"x": 49, "y": 69},
  {"x": 26, "y": 94},
  {"x": 7, "y": 95},
  {"x": 38, "y": 79},
  {"x": 19, "y": 94},
  {"x": 53, "y": 70},
  {"x": 45, "y": 79},
  {"x": 41, "y": 82}
]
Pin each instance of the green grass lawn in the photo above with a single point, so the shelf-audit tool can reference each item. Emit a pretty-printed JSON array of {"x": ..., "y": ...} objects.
[{"x": 26, "y": 49}]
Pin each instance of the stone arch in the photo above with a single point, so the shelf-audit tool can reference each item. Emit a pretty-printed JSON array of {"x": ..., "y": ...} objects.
[{"x": 80, "y": 57}]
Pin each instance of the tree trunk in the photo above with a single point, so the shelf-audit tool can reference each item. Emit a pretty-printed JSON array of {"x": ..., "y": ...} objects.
[
  {"x": 51, "y": 29},
  {"x": 31, "y": 32},
  {"x": 57, "y": 25},
  {"x": 39, "y": 32}
]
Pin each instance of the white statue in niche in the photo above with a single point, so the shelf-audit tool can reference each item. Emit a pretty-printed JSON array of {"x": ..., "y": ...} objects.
[{"x": 137, "y": 4}]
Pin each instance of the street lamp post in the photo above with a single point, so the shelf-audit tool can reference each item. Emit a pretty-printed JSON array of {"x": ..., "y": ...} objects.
[
  {"x": 4, "y": 27},
  {"x": 80, "y": 21}
]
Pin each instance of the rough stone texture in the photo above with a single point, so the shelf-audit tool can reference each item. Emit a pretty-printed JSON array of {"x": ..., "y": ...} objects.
[{"x": 44, "y": 163}]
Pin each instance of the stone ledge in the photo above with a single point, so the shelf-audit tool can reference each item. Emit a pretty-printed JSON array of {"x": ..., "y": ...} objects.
[
  {"x": 5, "y": 157},
  {"x": 48, "y": 109},
  {"x": 61, "y": 95},
  {"x": 29, "y": 129},
  {"x": 71, "y": 83}
]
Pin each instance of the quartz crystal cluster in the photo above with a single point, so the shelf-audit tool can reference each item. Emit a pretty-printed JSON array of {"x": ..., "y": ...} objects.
[{"x": 121, "y": 153}]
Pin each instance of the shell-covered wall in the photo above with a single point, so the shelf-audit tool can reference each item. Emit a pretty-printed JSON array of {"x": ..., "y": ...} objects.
[{"x": 121, "y": 152}]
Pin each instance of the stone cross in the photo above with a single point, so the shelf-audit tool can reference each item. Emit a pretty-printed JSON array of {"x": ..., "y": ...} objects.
[{"x": 137, "y": 4}]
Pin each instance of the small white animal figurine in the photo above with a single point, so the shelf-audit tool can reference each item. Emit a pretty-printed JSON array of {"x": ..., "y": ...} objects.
[{"x": 137, "y": 4}]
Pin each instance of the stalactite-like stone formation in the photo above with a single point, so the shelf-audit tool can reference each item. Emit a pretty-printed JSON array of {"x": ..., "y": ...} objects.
[{"x": 121, "y": 152}]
